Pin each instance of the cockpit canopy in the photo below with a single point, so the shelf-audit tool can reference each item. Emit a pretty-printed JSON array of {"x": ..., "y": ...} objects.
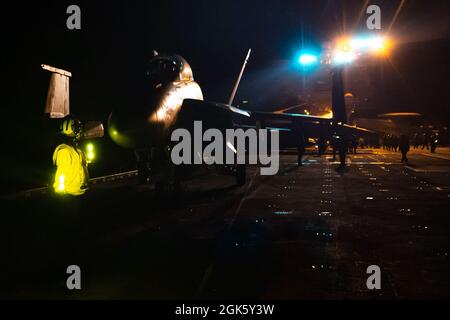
[{"x": 169, "y": 68}]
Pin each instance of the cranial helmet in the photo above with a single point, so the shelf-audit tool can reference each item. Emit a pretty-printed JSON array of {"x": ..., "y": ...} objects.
[{"x": 71, "y": 127}]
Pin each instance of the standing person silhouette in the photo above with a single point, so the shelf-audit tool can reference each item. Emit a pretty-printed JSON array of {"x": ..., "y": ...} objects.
[{"x": 404, "y": 147}]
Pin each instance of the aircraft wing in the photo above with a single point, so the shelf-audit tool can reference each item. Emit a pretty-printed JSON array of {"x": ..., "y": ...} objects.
[
  {"x": 57, "y": 105},
  {"x": 223, "y": 116},
  {"x": 292, "y": 117},
  {"x": 212, "y": 115},
  {"x": 262, "y": 115}
]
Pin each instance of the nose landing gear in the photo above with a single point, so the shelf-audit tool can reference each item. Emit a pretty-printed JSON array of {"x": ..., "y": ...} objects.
[{"x": 153, "y": 164}]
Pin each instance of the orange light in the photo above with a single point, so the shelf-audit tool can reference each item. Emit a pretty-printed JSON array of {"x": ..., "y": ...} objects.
[
  {"x": 347, "y": 49},
  {"x": 343, "y": 52},
  {"x": 328, "y": 114},
  {"x": 381, "y": 46}
]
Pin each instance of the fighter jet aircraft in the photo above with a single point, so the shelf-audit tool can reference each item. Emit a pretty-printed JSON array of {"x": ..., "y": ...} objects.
[{"x": 176, "y": 101}]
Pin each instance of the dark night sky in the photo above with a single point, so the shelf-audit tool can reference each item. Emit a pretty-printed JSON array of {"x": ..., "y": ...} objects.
[{"x": 107, "y": 57}]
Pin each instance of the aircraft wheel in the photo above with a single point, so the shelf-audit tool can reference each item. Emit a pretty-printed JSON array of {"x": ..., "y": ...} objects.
[
  {"x": 169, "y": 185},
  {"x": 143, "y": 173},
  {"x": 143, "y": 166}
]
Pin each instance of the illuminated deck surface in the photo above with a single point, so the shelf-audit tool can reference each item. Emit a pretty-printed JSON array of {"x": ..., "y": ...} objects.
[{"x": 308, "y": 232}]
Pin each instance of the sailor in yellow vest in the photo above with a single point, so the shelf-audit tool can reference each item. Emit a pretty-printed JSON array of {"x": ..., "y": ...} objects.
[{"x": 71, "y": 166}]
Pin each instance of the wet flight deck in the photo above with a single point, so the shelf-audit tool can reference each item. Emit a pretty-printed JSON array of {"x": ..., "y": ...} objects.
[{"x": 308, "y": 232}]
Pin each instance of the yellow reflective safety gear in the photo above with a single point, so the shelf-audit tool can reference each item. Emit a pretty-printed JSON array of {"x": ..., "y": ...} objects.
[
  {"x": 90, "y": 155},
  {"x": 71, "y": 175}
]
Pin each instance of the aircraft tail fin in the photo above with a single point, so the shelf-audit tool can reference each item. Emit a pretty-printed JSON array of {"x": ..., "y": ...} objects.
[
  {"x": 338, "y": 97},
  {"x": 58, "y": 104}
]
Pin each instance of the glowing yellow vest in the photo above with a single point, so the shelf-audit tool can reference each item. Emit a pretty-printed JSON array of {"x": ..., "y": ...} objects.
[{"x": 71, "y": 170}]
